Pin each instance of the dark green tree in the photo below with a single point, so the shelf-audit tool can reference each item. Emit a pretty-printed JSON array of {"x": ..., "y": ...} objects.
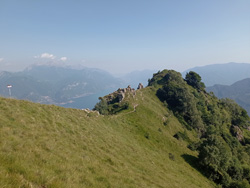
[
  {"x": 193, "y": 79},
  {"x": 215, "y": 156},
  {"x": 180, "y": 99},
  {"x": 102, "y": 106}
]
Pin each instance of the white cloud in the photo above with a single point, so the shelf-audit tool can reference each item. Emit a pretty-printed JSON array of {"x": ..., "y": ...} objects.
[
  {"x": 1, "y": 59},
  {"x": 45, "y": 56},
  {"x": 48, "y": 56},
  {"x": 63, "y": 58}
]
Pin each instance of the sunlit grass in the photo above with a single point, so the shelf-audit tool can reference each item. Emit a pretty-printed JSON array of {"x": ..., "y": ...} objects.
[{"x": 50, "y": 146}]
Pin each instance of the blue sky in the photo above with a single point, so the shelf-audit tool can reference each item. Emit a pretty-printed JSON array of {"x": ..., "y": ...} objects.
[{"x": 124, "y": 35}]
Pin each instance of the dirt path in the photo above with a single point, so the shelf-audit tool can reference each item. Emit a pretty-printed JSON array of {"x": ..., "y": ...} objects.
[{"x": 133, "y": 110}]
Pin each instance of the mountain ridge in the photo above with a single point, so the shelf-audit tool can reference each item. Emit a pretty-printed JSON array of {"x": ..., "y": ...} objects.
[
  {"x": 56, "y": 85},
  {"x": 67, "y": 86},
  {"x": 238, "y": 91},
  {"x": 225, "y": 74}
]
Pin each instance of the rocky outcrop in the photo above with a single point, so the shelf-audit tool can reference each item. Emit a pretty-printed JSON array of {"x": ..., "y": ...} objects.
[
  {"x": 140, "y": 86},
  {"x": 237, "y": 132},
  {"x": 119, "y": 95}
]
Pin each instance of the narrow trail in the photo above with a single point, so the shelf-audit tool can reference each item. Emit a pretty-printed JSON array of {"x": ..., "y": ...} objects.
[
  {"x": 133, "y": 110},
  {"x": 135, "y": 98},
  {"x": 117, "y": 115},
  {"x": 135, "y": 105}
]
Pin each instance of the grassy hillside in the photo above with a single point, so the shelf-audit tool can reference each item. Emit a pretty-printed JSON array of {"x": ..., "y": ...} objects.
[{"x": 50, "y": 146}]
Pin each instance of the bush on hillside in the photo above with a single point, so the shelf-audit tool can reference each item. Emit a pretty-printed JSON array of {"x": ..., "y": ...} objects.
[
  {"x": 180, "y": 99},
  {"x": 193, "y": 79},
  {"x": 224, "y": 154},
  {"x": 102, "y": 106}
]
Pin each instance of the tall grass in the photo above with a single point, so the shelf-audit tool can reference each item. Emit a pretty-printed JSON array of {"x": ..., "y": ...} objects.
[{"x": 50, "y": 146}]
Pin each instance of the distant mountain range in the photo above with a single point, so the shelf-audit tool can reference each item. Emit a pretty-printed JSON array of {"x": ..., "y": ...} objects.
[
  {"x": 239, "y": 91},
  {"x": 66, "y": 86},
  {"x": 80, "y": 87},
  {"x": 62, "y": 86},
  {"x": 224, "y": 74}
]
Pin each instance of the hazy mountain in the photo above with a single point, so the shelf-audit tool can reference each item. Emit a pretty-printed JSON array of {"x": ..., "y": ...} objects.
[
  {"x": 225, "y": 74},
  {"x": 76, "y": 87},
  {"x": 239, "y": 91},
  {"x": 58, "y": 85},
  {"x": 25, "y": 87}
]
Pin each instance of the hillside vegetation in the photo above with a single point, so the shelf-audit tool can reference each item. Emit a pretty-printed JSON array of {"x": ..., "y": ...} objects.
[
  {"x": 170, "y": 134},
  {"x": 239, "y": 91},
  {"x": 222, "y": 127}
]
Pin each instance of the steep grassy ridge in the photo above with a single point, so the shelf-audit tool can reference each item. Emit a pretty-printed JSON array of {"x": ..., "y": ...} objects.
[{"x": 50, "y": 146}]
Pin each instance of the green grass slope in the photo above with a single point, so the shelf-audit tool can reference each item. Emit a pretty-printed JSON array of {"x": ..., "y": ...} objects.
[{"x": 49, "y": 146}]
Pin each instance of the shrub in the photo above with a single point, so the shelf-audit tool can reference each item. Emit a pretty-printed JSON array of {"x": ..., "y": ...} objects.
[
  {"x": 102, "y": 106},
  {"x": 240, "y": 184},
  {"x": 146, "y": 135},
  {"x": 182, "y": 136},
  {"x": 215, "y": 155},
  {"x": 171, "y": 156},
  {"x": 193, "y": 79}
]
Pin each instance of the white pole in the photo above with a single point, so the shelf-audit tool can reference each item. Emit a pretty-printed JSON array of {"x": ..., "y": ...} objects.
[
  {"x": 9, "y": 87},
  {"x": 9, "y": 92}
]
